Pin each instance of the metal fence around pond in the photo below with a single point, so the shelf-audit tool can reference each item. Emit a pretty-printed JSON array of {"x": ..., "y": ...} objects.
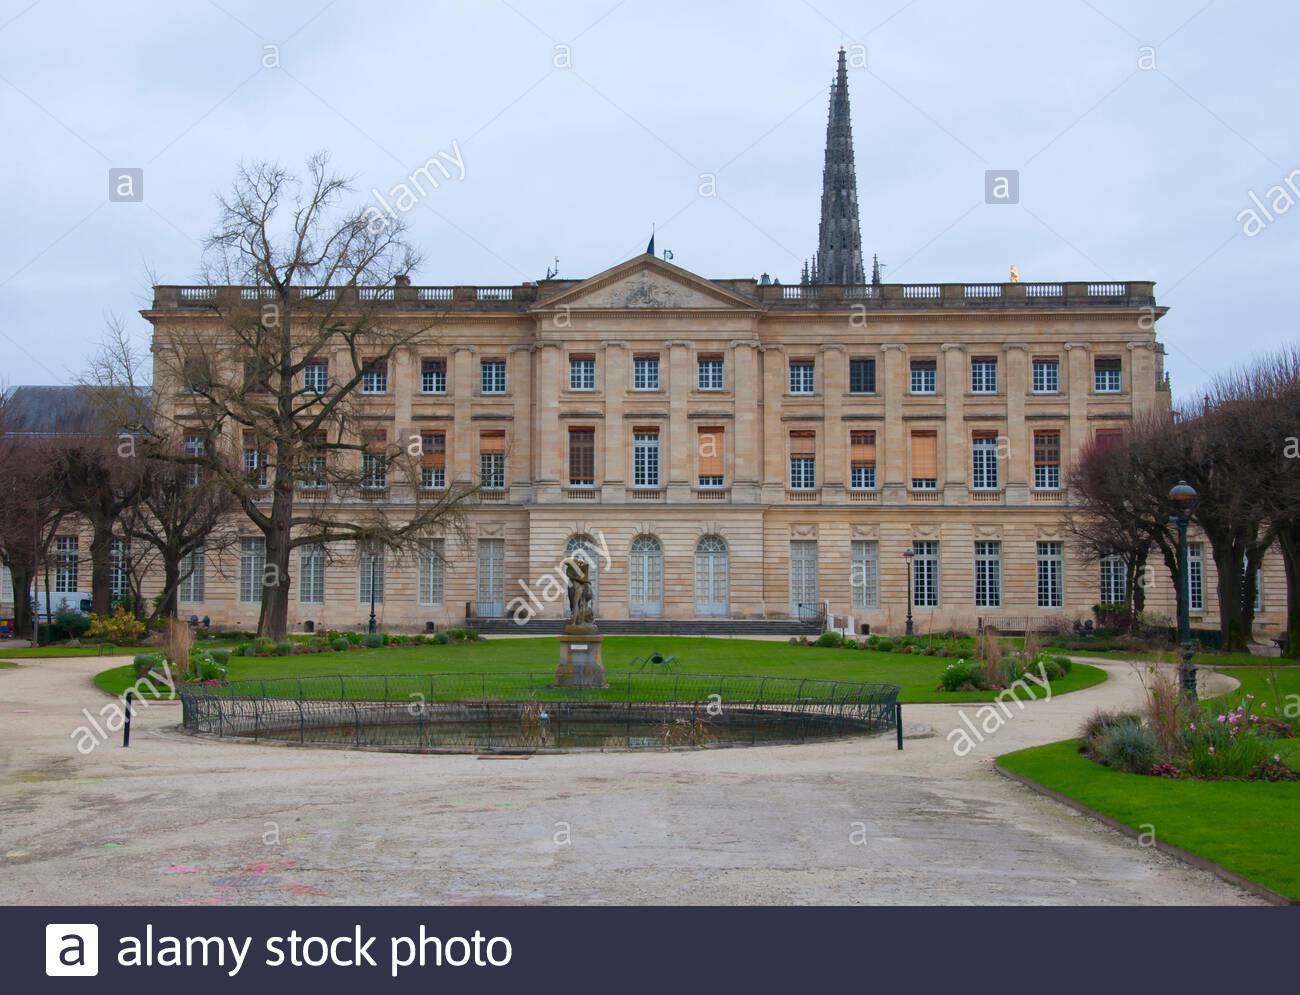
[{"x": 471, "y": 712}]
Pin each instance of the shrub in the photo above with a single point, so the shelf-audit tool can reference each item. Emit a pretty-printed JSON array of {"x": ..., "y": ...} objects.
[
  {"x": 204, "y": 667},
  {"x": 456, "y": 634},
  {"x": 1065, "y": 663},
  {"x": 960, "y": 676},
  {"x": 1129, "y": 747},
  {"x": 221, "y": 657},
  {"x": 120, "y": 627},
  {"x": 373, "y": 640},
  {"x": 284, "y": 647},
  {"x": 145, "y": 662},
  {"x": 339, "y": 644},
  {"x": 262, "y": 646},
  {"x": 850, "y": 644},
  {"x": 872, "y": 643},
  {"x": 240, "y": 649},
  {"x": 441, "y": 638},
  {"x": 885, "y": 645},
  {"x": 830, "y": 639},
  {"x": 1099, "y": 721},
  {"x": 71, "y": 622},
  {"x": 1050, "y": 668},
  {"x": 472, "y": 635}
]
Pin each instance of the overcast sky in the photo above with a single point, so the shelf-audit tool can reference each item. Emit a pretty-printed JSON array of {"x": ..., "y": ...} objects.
[{"x": 1139, "y": 129}]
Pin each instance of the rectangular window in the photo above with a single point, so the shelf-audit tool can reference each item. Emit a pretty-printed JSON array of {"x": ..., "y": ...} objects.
[
  {"x": 374, "y": 376},
  {"x": 1113, "y": 580},
  {"x": 491, "y": 577},
  {"x": 370, "y": 570},
  {"x": 193, "y": 564},
  {"x": 710, "y": 448},
  {"x": 862, "y": 461},
  {"x": 433, "y": 460},
  {"x": 433, "y": 376},
  {"x": 925, "y": 461},
  {"x": 803, "y": 376},
  {"x": 645, "y": 457},
  {"x": 984, "y": 461},
  {"x": 252, "y": 568},
  {"x": 1196, "y": 576},
  {"x": 257, "y": 376},
  {"x": 253, "y": 460},
  {"x": 1106, "y": 375},
  {"x": 119, "y": 569},
  {"x": 316, "y": 377},
  {"x": 709, "y": 373},
  {"x": 492, "y": 376},
  {"x": 1106, "y": 439},
  {"x": 925, "y": 574},
  {"x": 582, "y": 373},
  {"x": 6, "y": 586},
  {"x": 196, "y": 447},
  {"x": 803, "y": 461},
  {"x": 1047, "y": 461},
  {"x": 865, "y": 577},
  {"x": 925, "y": 376},
  {"x": 492, "y": 460},
  {"x": 862, "y": 376},
  {"x": 311, "y": 574},
  {"x": 1046, "y": 376},
  {"x": 65, "y": 564},
  {"x": 433, "y": 571},
  {"x": 984, "y": 376},
  {"x": 988, "y": 575},
  {"x": 1051, "y": 576},
  {"x": 645, "y": 372},
  {"x": 374, "y": 461},
  {"x": 582, "y": 457}
]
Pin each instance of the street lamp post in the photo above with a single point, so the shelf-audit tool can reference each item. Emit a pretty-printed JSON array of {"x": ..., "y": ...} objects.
[
  {"x": 907, "y": 557},
  {"x": 1182, "y": 495},
  {"x": 373, "y": 626}
]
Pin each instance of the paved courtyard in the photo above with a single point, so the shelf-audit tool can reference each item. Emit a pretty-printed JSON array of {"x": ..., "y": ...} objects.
[{"x": 180, "y": 820}]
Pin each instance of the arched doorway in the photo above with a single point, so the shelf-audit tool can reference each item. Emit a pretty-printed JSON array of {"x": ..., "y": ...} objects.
[
  {"x": 645, "y": 582},
  {"x": 711, "y": 566},
  {"x": 582, "y": 547}
]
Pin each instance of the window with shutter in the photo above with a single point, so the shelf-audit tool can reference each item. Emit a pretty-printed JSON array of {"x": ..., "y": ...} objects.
[
  {"x": 862, "y": 460},
  {"x": 582, "y": 457},
  {"x": 925, "y": 461},
  {"x": 710, "y": 473}
]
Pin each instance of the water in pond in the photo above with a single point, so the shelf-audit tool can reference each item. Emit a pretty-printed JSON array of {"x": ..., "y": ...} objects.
[{"x": 638, "y": 733}]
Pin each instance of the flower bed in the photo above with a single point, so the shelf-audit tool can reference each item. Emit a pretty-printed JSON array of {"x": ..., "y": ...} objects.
[{"x": 1174, "y": 738}]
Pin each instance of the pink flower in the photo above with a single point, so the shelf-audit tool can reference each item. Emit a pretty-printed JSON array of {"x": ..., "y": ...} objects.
[
  {"x": 1277, "y": 758},
  {"x": 1222, "y": 719}
]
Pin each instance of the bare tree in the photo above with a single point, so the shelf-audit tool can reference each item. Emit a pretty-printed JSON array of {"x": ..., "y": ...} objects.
[
  {"x": 29, "y": 514},
  {"x": 272, "y": 395}
]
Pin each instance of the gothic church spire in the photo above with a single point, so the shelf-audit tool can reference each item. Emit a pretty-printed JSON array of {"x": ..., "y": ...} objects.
[{"x": 839, "y": 250}]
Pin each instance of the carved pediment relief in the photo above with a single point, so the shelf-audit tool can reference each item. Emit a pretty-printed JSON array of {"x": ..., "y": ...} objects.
[
  {"x": 866, "y": 531},
  {"x": 646, "y": 283},
  {"x": 803, "y": 531}
]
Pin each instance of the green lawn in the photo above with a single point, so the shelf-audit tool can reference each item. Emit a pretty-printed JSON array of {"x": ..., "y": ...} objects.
[
  {"x": 918, "y": 676},
  {"x": 1169, "y": 656},
  {"x": 1256, "y": 681},
  {"x": 1249, "y": 827},
  {"x": 41, "y": 652}
]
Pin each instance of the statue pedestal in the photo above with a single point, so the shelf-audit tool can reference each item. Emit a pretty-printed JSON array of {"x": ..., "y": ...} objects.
[{"x": 580, "y": 663}]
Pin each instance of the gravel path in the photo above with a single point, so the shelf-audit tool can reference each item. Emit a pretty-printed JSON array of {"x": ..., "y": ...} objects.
[{"x": 175, "y": 820}]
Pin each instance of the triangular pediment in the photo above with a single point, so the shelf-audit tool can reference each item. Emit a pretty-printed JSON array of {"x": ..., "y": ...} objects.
[{"x": 646, "y": 282}]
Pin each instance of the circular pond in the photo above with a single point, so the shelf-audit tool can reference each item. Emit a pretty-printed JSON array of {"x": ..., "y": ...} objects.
[{"x": 480, "y": 713}]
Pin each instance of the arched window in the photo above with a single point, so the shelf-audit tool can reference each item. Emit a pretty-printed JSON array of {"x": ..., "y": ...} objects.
[
  {"x": 646, "y": 577},
  {"x": 584, "y": 548},
  {"x": 711, "y": 576}
]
